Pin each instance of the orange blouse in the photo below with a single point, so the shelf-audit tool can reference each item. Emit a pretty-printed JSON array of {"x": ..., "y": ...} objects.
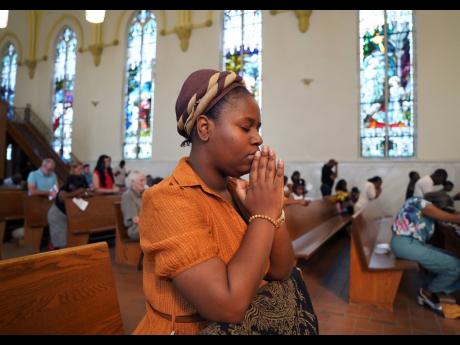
[{"x": 182, "y": 224}]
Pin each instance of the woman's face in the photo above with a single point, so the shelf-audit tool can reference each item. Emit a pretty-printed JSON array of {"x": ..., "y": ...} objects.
[
  {"x": 235, "y": 137},
  {"x": 106, "y": 162}
]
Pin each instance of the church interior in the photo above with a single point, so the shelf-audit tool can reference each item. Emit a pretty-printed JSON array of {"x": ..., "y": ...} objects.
[{"x": 360, "y": 105}]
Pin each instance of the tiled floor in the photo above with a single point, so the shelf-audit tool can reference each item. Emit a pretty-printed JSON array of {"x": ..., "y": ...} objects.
[{"x": 326, "y": 275}]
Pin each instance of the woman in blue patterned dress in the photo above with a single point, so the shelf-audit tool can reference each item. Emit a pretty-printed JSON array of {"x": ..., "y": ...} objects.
[{"x": 412, "y": 228}]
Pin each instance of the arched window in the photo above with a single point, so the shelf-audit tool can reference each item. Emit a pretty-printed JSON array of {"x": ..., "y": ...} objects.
[
  {"x": 140, "y": 85},
  {"x": 242, "y": 47},
  {"x": 387, "y": 83},
  {"x": 63, "y": 91},
  {"x": 8, "y": 75}
]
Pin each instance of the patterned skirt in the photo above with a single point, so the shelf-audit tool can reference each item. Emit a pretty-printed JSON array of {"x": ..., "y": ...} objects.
[{"x": 280, "y": 307}]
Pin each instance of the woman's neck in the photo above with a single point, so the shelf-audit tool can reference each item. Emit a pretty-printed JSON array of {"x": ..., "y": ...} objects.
[{"x": 210, "y": 176}]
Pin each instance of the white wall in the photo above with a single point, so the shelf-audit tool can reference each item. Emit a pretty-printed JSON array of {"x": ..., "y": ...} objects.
[{"x": 305, "y": 124}]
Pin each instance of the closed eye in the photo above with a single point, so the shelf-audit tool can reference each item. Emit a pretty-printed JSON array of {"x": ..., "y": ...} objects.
[{"x": 245, "y": 129}]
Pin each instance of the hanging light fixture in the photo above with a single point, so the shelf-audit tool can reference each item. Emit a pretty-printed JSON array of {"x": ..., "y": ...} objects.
[
  {"x": 95, "y": 16},
  {"x": 3, "y": 18}
]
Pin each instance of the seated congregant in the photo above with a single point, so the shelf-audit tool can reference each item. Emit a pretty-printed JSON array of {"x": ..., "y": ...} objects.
[
  {"x": 103, "y": 180},
  {"x": 428, "y": 183},
  {"x": 413, "y": 178},
  {"x": 131, "y": 202},
  {"x": 43, "y": 181},
  {"x": 75, "y": 186},
  {"x": 412, "y": 228},
  {"x": 372, "y": 190}
]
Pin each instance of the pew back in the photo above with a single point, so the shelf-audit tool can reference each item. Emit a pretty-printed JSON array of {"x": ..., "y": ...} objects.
[
  {"x": 311, "y": 226},
  {"x": 36, "y": 210},
  {"x": 67, "y": 291},
  {"x": 98, "y": 216},
  {"x": 35, "y": 220},
  {"x": 11, "y": 208},
  {"x": 300, "y": 219},
  {"x": 370, "y": 228},
  {"x": 374, "y": 277},
  {"x": 127, "y": 250},
  {"x": 11, "y": 204}
]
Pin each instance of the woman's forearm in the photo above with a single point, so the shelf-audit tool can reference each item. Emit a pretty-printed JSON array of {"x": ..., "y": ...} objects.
[
  {"x": 282, "y": 255},
  {"x": 247, "y": 268}
]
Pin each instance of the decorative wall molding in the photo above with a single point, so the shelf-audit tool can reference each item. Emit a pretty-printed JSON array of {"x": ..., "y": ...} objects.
[
  {"x": 184, "y": 26},
  {"x": 97, "y": 47},
  {"x": 303, "y": 17},
  {"x": 33, "y": 18}
]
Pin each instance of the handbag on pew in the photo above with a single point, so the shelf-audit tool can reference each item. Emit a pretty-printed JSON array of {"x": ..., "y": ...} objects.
[{"x": 279, "y": 308}]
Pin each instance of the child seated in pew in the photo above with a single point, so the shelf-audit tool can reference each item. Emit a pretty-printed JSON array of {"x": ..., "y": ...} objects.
[
  {"x": 75, "y": 186},
  {"x": 299, "y": 192}
]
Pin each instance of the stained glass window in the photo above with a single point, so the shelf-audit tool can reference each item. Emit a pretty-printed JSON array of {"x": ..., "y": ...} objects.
[
  {"x": 387, "y": 83},
  {"x": 242, "y": 47},
  {"x": 8, "y": 75},
  {"x": 63, "y": 92},
  {"x": 140, "y": 86}
]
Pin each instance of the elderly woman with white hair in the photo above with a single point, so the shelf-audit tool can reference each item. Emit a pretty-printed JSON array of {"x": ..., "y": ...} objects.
[{"x": 131, "y": 202}]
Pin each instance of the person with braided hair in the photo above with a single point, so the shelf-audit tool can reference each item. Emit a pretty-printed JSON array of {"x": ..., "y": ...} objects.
[{"x": 211, "y": 239}]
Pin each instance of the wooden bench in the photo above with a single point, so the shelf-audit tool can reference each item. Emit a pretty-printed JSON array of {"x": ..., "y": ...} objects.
[
  {"x": 67, "y": 291},
  {"x": 98, "y": 217},
  {"x": 127, "y": 250},
  {"x": 311, "y": 226},
  {"x": 35, "y": 220},
  {"x": 374, "y": 278},
  {"x": 11, "y": 208}
]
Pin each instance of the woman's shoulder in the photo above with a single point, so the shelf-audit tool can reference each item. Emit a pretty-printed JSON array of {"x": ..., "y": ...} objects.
[{"x": 166, "y": 192}]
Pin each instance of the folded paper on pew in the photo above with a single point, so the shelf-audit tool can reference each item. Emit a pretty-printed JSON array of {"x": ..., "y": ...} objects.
[{"x": 82, "y": 204}]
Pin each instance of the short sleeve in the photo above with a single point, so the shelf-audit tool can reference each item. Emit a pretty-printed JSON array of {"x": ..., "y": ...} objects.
[
  {"x": 423, "y": 203},
  {"x": 175, "y": 230},
  {"x": 31, "y": 178},
  {"x": 371, "y": 192}
]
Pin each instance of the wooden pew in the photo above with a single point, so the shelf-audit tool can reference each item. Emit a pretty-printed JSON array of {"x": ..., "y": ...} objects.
[
  {"x": 11, "y": 208},
  {"x": 127, "y": 250},
  {"x": 311, "y": 226},
  {"x": 445, "y": 237},
  {"x": 35, "y": 220},
  {"x": 98, "y": 217},
  {"x": 67, "y": 291},
  {"x": 374, "y": 278}
]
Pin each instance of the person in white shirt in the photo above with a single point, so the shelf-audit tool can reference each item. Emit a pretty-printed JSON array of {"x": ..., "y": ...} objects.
[
  {"x": 426, "y": 183},
  {"x": 299, "y": 193},
  {"x": 371, "y": 191},
  {"x": 120, "y": 174}
]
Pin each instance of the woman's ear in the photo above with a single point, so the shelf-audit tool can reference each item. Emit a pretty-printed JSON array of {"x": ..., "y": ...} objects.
[{"x": 204, "y": 127}]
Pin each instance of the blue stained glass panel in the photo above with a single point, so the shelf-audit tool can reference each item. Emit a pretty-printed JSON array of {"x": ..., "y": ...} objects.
[
  {"x": 8, "y": 75},
  {"x": 140, "y": 85},
  {"x": 386, "y": 83},
  {"x": 242, "y": 47},
  {"x": 63, "y": 92}
]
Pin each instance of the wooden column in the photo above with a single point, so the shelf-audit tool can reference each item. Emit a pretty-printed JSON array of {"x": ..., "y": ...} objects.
[{"x": 3, "y": 120}]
